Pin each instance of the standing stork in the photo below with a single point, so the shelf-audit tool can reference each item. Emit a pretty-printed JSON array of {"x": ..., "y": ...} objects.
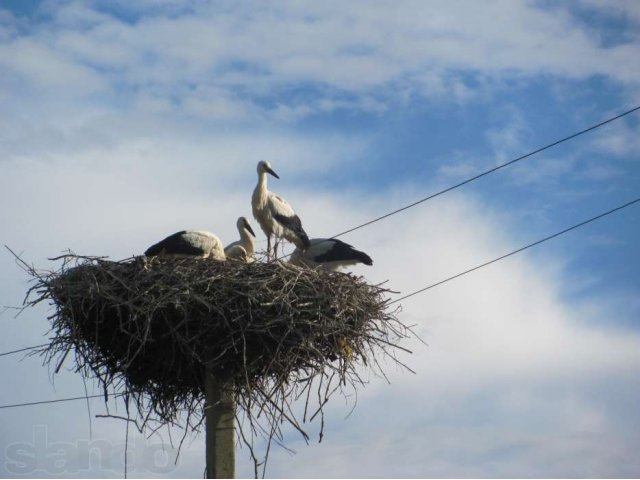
[
  {"x": 189, "y": 243},
  {"x": 243, "y": 248},
  {"x": 274, "y": 214},
  {"x": 329, "y": 253}
]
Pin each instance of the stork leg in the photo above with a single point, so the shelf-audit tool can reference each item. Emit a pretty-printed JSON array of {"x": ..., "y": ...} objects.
[
  {"x": 275, "y": 248},
  {"x": 268, "y": 247}
]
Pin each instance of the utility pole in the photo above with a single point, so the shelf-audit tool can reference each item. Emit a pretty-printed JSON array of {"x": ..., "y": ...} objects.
[{"x": 220, "y": 412}]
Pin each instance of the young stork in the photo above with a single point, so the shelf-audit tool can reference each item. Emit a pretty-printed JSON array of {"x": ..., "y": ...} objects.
[
  {"x": 189, "y": 243},
  {"x": 274, "y": 214},
  {"x": 243, "y": 248},
  {"x": 238, "y": 253},
  {"x": 329, "y": 253}
]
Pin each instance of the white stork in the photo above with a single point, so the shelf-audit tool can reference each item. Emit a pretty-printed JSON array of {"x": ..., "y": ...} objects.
[
  {"x": 243, "y": 248},
  {"x": 329, "y": 253},
  {"x": 274, "y": 214},
  {"x": 189, "y": 243},
  {"x": 237, "y": 252}
]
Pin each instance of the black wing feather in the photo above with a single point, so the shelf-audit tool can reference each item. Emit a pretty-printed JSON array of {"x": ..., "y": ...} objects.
[
  {"x": 173, "y": 244},
  {"x": 294, "y": 224},
  {"x": 341, "y": 251}
]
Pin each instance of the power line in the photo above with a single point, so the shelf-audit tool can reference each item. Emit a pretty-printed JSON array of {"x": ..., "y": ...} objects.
[
  {"x": 58, "y": 400},
  {"x": 538, "y": 242},
  {"x": 23, "y": 349},
  {"x": 487, "y": 172}
]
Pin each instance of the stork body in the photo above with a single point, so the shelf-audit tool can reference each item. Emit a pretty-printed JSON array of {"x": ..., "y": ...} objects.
[
  {"x": 329, "y": 253},
  {"x": 243, "y": 248},
  {"x": 189, "y": 243},
  {"x": 274, "y": 214}
]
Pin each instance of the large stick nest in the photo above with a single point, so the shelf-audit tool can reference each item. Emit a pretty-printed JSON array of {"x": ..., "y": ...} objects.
[{"x": 271, "y": 331}]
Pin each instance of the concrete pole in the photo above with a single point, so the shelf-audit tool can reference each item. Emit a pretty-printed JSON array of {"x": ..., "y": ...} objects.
[{"x": 220, "y": 412}]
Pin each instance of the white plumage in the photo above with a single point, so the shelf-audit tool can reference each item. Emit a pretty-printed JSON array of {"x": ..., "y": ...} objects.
[
  {"x": 189, "y": 243},
  {"x": 274, "y": 214},
  {"x": 329, "y": 253},
  {"x": 243, "y": 248},
  {"x": 237, "y": 252}
]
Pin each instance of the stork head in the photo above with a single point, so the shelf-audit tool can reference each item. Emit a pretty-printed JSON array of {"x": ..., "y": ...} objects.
[
  {"x": 237, "y": 253},
  {"x": 265, "y": 167},
  {"x": 243, "y": 224}
]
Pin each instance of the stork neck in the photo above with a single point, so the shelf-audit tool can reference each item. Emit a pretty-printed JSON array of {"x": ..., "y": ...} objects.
[
  {"x": 260, "y": 193},
  {"x": 246, "y": 240},
  {"x": 262, "y": 182}
]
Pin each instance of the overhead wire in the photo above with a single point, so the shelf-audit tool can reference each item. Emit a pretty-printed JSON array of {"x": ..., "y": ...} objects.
[
  {"x": 59, "y": 400},
  {"x": 23, "y": 349},
  {"x": 494, "y": 169},
  {"x": 538, "y": 242}
]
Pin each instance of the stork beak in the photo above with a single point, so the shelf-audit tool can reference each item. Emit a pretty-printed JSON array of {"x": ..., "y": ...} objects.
[
  {"x": 249, "y": 229},
  {"x": 272, "y": 172}
]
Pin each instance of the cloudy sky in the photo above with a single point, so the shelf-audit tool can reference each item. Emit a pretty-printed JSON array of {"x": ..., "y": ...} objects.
[{"x": 122, "y": 122}]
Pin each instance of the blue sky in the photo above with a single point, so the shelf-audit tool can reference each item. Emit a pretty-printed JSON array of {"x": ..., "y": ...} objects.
[{"x": 122, "y": 122}]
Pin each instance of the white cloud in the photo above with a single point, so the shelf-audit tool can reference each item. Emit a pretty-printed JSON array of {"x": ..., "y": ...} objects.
[
  {"x": 627, "y": 9},
  {"x": 621, "y": 141},
  {"x": 27, "y": 60},
  {"x": 600, "y": 171},
  {"x": 460, "y": 167},
  {"x": 152, "y": 184},
  {"x": 510, "y": 139},
  {"x": 242, "y": 53}
]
